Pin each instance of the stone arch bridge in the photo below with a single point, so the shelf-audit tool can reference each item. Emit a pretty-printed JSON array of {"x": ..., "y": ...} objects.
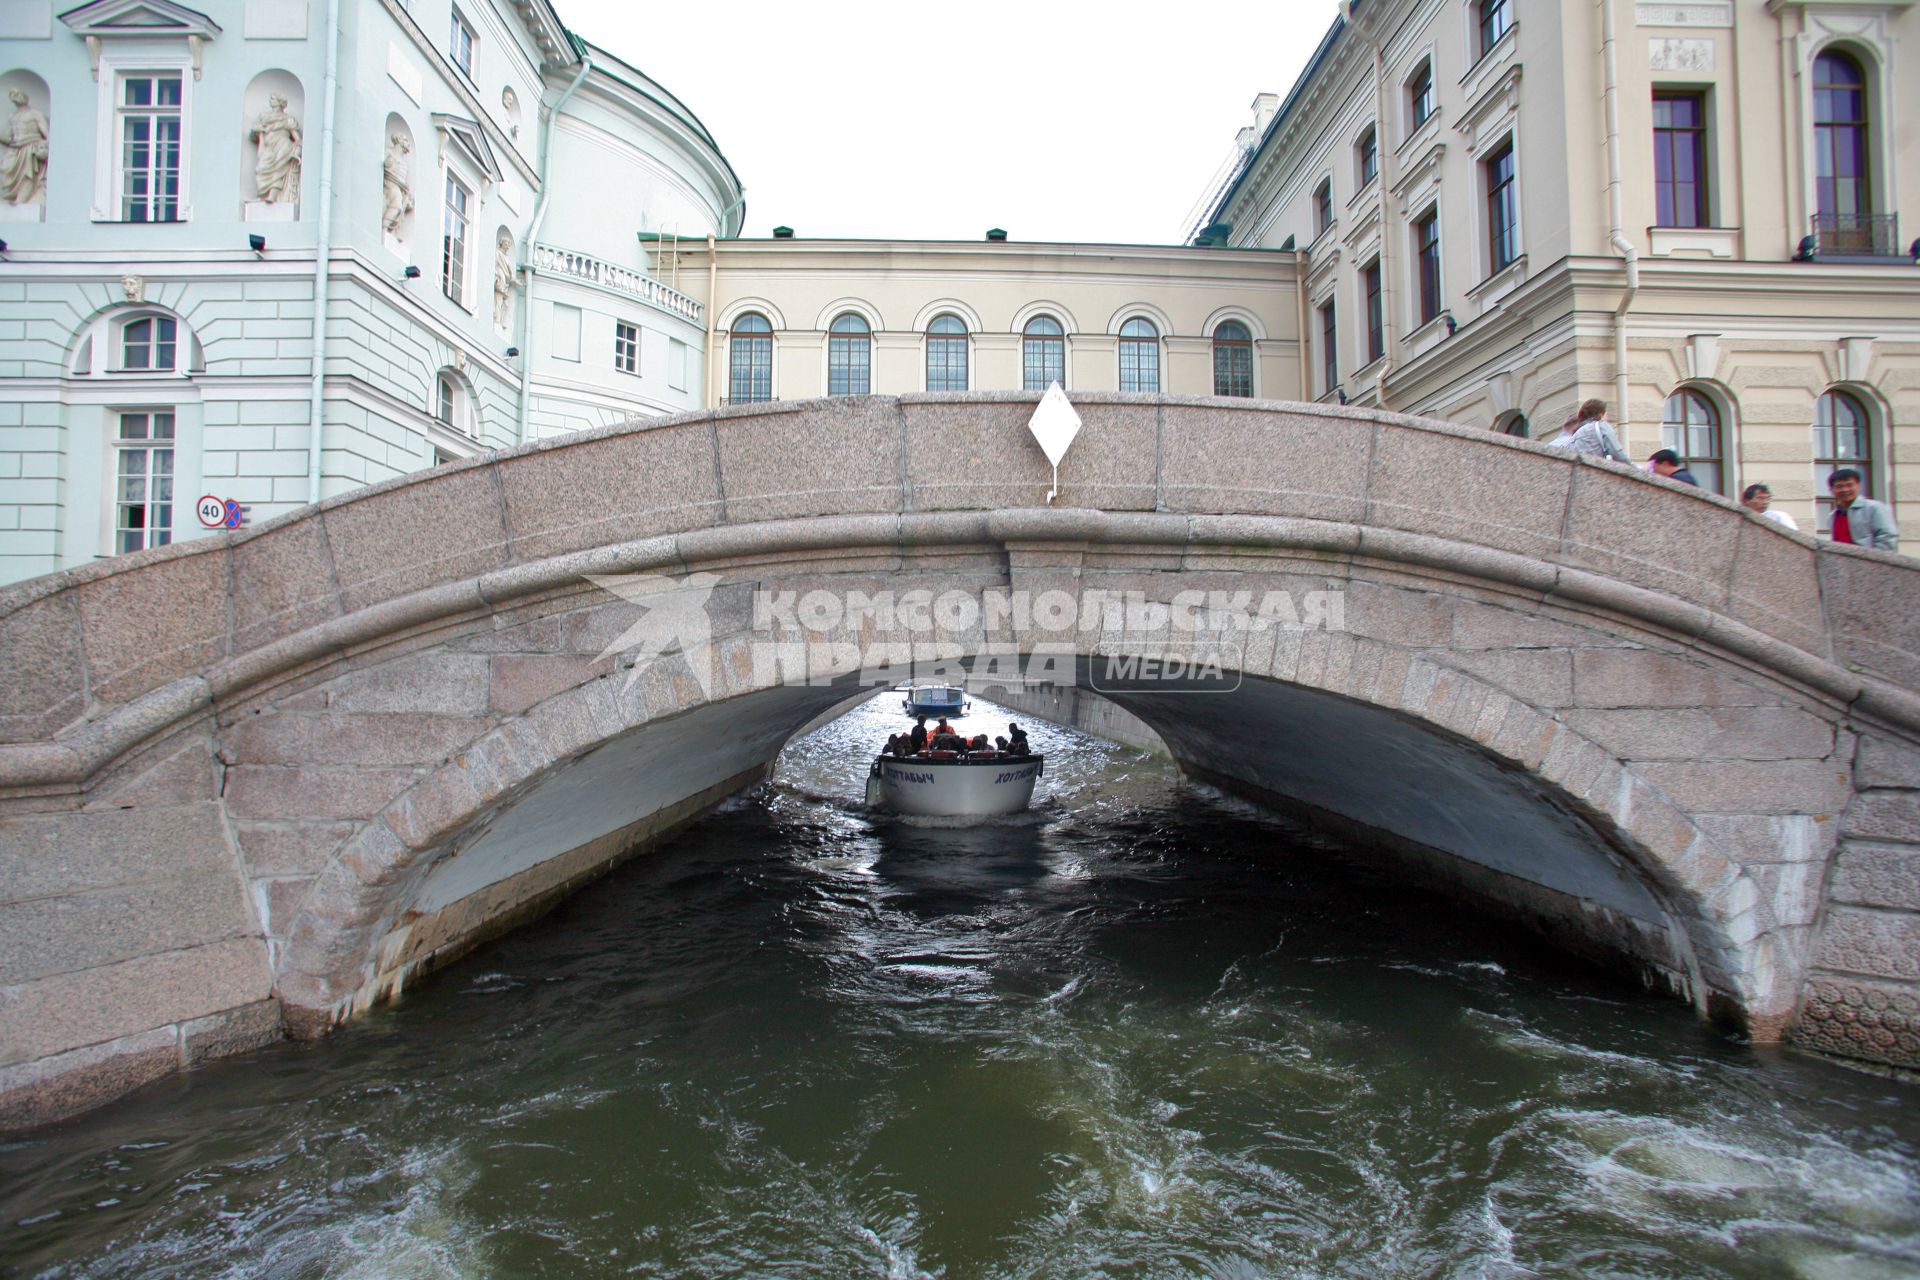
[{"x": 253, "y": 783}]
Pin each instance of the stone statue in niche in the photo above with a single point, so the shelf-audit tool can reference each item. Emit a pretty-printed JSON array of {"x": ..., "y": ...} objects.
[
  {"x": 276, "y": 171},
  {"x": 397, "y": 183},
  {"x": 502, "y": 280},
  {"x": 23, "y": 171}
]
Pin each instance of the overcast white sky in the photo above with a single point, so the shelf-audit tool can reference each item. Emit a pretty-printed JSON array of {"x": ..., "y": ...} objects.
[{"x": 1056, "y": 121}]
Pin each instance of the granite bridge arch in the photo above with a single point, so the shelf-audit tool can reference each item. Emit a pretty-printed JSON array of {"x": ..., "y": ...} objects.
[{"x": 255, "y": 783}]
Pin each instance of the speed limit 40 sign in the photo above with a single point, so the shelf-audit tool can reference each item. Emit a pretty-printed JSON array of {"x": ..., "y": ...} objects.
[{"x": 220, "y": 513}]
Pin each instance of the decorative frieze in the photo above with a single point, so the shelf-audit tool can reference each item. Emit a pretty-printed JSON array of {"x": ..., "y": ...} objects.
[
  {"x": 1705, "y": 13},
  {"x": 1671, "y": 53}
]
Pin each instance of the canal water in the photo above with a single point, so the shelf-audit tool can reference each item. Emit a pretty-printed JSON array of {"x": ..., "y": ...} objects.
[{"x": 1144, "y": 1031}]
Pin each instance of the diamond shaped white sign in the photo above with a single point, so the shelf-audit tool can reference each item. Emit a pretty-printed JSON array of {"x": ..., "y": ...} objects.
[{"x": 1054, "y": 424}]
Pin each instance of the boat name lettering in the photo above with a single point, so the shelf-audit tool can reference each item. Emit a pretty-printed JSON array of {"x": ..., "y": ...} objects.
[
  {"x": 901, "y": 775},
  {"x": 1014, "y": 775}
]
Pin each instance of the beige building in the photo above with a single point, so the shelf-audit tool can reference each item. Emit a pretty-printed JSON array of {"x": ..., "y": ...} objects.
[
  {"x": 1504, "y": 207},
  {"x": 800, "y": 318}
]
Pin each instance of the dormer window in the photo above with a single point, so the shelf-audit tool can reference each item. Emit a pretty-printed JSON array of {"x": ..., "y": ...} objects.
[{"x": 149, "y": 345}]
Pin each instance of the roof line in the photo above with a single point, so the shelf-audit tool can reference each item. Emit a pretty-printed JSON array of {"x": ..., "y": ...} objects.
[{"x": 1320, "y": 55}]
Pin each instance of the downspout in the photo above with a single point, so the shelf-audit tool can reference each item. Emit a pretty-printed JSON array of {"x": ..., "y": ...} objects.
[
  {"x": 525, "y": 327},
  {"x": 1385, "y": 363},
  {"x": 713, "y": 290},
  {"x": 322, "y": 252},
  {"x": 1616, "y": 217},
  {"x": 1306, "y": 324}
]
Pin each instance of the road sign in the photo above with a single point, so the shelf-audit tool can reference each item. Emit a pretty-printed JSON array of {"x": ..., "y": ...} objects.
[{"x": 212, "y": 512}]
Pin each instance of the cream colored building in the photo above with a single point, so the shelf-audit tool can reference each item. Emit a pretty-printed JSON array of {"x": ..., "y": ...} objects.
[
  {"x": 1492, "y": 204},
  {"x": 800, "y": 318}
]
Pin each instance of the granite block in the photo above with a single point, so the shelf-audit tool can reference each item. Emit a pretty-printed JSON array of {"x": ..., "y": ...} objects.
[
  {"x": 282, "y": 582},
  {"x": 1266, "y": 462},
  {"x": 1718, "y": 733},
  {"x": 1870, "y": 607},
  {"x": 432, "y": 530},
  {"x": 372, "y": 740},
  {"x": 1651, "y": 534},
  {"x": 47, "y": 855},
  {"x": 150, "y": 623},
  {"x": 46, "y": 684},
  {"x": 595, "y": 492},
  {"x": 92, "y": 1005},
  {"x": 53, "y": 1088},
  {"x": 1775, "y": 587},
  {"x": 289, "y": 792},
  {"x": 289, "y": 847},
  {"x": 1428, "y": 483},
  {"x": 851, "y": 462}
]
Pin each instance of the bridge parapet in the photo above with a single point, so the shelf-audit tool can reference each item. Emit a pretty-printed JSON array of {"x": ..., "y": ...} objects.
[{"x": 125, "y": 720}]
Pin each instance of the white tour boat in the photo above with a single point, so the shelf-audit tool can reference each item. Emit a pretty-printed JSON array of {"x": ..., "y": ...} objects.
[
  {"x": 946, "y": 784},
  {"x": 934, "y": 700}
]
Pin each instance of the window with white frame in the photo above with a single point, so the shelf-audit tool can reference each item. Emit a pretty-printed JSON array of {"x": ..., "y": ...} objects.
[
  {"x": 750, "y": 360},
  {"x": 849, "y": 356},
  {"x": 947, "y": 354},
  {"x": 1492, "y": 20},
  {"x": 1322, "y": 207},
  {"x": 1503, "y": 210},
  {"x": 1043, "y": 354},
  {"x": 1367, "y": 156},
  {"x": 1139, "y": 356},
  {"x": 453, "y": 406},
  {"x": 143, "y": 480},
  {"x": 453, "y": 251},
  {"x": 1420, "y": 95},
  {"x": 149, "y": 344},
  {"x": 150, "y": 120},
  {"x": 1232, "y": 359},
  {"x": 626, "y": 347},
  {"x": 460, "y": 44}
]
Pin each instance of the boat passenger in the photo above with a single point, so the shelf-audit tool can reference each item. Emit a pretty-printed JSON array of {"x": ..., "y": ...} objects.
[
  {"x": 1000, "y": 745},
  {"x": 917, "y": 740},
  {"x": 1017, "y": 740},
  {"x": 942, "y": 727}
]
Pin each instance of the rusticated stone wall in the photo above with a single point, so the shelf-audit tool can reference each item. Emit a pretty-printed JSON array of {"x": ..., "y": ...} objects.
[{"x": 274, "y": 776}]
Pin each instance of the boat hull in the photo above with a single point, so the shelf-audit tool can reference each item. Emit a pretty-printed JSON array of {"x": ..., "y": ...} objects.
[{"x": 953, "y": 788}]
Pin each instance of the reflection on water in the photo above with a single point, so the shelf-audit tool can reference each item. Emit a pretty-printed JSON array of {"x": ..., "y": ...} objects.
[{"x": 1145, "y": 1031}]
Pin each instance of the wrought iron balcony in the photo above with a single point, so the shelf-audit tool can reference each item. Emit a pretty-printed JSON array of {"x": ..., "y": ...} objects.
[
  {"x": 1856, "y": 235},
  {"x": 553, "y": 260}
]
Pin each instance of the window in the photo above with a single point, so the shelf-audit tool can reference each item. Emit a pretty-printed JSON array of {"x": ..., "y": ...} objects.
[
  {"x": 1691, "y": 428},
  {"x": 1842, "y": 437},
  {"x": 626, "y": 347},
  {"x": 849, "y": 357},
  {"x": 1516, "y": 425},
  {"x": 1495, "y": 20},
  {"x": 150, "y": 148},
  {"x": 1426, "y": 240},
  {"x": 1323, "y": 206},
  {"x": 1139, "y": 356},
  {"x": 447, "y": 400},
  {"x": 1329, "y": 349},
  {"x": 460, "y": 45},
  {"x": 149, "y": 344},
  {"x": 143, "y": 497},
  {"x": 1376, "y": 320},
  {"x": 1680, "y": 159},
  {"x": 947, "y": 354},
  {"x": 453, "y": 252},
  {"x": 1232, "y": 360},
  {"x": 1043, "y": 354},
  {"x": 1843, "y": 190},
  {"x": 750, "y": 360},
  {"x": 1503, "y": 213},
  {"x": 1367, "y": 151},
  {"x": 1420, "y": 95}
]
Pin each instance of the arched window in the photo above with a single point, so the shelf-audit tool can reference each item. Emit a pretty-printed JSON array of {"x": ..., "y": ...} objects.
[
  {"x": 947, "y": 354},
  {"x": 1043, "y": 354},
  {"x": 750, "y": 360},
  {"x": 1691, "y": 428},
  {"x": 1232, "y": 360},
  {"x": 1842, "y": 437},
  {"x": 1515, "y": 424},
  {"x": 1843, "y": 183},
  {"x": 1367, "y": 156},
  {"x": 849, "y": 356},
  {"x": 452, "y": 404},
  {"x": 1420, "y": 94},
  {"x": 1139, "y": 356},
  {"x": 149, "y": 344}
]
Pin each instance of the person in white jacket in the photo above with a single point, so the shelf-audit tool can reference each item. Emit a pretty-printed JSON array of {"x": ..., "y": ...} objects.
[{"x": 1758, "y": 499}]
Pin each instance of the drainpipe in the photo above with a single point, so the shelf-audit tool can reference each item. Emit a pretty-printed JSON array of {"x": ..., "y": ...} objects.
[
  {"x": 713, "y": 290},
  {"x": 1306, "y": 323},
  {"x": 525, "y": 327},
  {"x": 1387, "y": 327},
  {"x": 322, "y": 251},
  {"x": 1616, "y": 217}
]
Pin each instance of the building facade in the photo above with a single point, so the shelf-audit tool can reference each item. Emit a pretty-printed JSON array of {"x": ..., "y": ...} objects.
[
  {"x": 801, "y": 318},
  {"x": 195, "y": 201},
  {"x": 1505, "y": 207}
]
